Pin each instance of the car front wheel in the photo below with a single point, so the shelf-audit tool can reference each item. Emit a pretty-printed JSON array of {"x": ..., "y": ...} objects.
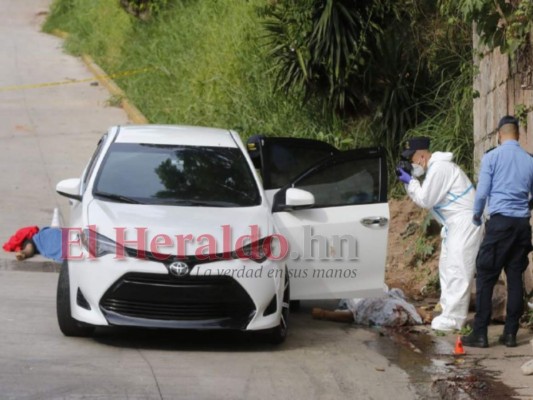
[{"x": 68, "y": 325}]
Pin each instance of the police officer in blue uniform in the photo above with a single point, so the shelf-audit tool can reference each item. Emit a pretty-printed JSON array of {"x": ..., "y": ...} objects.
[{"x": 506, "y": 181}]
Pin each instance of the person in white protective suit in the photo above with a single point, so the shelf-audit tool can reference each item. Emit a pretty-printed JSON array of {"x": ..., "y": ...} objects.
[{"x": 449, "y": 194}]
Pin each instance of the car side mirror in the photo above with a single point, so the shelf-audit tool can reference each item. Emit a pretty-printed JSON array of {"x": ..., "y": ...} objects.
[
  {"x": 69, "y": 188},
  {"x": 298, "y": 198}
]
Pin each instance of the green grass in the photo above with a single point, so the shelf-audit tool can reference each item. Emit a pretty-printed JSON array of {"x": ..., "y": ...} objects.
[
  {"x": 98, "y": 27},
  {"x": 209, "y": 66}
]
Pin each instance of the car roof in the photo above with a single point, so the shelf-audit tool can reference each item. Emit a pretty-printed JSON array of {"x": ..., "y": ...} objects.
[{"x": 175, "y": 134}]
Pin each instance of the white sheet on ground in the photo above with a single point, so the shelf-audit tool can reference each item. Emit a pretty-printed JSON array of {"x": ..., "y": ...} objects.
[{"x": 390, "y": 310}]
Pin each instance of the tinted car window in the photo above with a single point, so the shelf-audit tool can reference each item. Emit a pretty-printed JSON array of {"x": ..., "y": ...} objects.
[
  {"x": 286, "y": 158},
  {"x": 287, "y": 163},
  {"x": 347, "y": 183},
  {"x": 177, "y": 175}
]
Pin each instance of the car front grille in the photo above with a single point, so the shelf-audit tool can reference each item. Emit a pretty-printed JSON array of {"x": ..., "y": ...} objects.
[{"x": 162, "y": 300}]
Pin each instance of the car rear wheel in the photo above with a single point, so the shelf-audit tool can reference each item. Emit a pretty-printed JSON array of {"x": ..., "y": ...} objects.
[
  {"x": 294, "y": 305},
  {"x": 278, "y": 334},
  {"x": 68, "y": 325}
]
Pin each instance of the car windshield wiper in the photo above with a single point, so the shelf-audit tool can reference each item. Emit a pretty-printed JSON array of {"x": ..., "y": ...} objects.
[
  {"x": 116, "y": 197},
  {"x": 203, "y": 203},
  {"x": 240, "y": 192}
]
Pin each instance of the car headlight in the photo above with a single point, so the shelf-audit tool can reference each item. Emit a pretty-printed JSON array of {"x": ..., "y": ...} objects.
[
  {"x": 257, "y": 251},
  {"x": 99, "y": 245}
]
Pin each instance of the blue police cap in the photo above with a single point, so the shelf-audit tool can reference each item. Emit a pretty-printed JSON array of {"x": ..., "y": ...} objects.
[
  {"x": 508, "y": 119},
  {"x": 414, "y": 144}
]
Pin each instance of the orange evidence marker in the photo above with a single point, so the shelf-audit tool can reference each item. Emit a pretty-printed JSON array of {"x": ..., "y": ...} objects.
[{"x": 459, "y": 349}]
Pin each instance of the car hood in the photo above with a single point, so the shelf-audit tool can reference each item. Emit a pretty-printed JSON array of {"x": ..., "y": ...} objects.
[{"x": 204, "y": 224}]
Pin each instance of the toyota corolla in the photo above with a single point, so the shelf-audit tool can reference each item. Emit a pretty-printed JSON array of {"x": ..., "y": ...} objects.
[{"x": 188, "y": 228}]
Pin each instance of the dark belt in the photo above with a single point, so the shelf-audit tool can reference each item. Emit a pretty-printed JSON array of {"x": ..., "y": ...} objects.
[{"x": 498, "y": 215}]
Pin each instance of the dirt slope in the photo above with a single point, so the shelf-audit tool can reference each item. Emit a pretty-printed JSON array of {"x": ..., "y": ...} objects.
[{"x": 412, "y": 259}]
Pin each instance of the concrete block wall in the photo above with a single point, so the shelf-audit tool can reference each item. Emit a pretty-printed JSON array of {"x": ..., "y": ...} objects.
[
  {"x": 501, "y": 87},
  {"x": 502, "y": 84}
]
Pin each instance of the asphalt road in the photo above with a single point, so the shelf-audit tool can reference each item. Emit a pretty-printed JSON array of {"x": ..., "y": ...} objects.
[
  {"x": 47, "y": 133},
  {"x": 319, "y": 360}
]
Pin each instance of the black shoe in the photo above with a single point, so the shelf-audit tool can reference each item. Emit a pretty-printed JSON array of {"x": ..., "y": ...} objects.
[
  {"x": 508, "y": 339},
  {"x": 474, "y": 340}
]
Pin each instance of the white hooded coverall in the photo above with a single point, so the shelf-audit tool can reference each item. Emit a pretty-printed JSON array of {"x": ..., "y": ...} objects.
[{"x": 449, "y": 194}]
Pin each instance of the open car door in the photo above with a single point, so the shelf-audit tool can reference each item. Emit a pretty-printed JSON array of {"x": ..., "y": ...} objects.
[
  {"x": 281, "y": 159},
  {"x": 338, "y": 240}
]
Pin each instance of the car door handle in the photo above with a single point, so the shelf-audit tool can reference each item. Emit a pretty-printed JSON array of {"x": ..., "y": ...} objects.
[{"x": 374, "y": 221}]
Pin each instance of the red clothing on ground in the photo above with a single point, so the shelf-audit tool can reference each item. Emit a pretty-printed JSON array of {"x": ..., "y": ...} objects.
[{"x": 15, "y": 242}]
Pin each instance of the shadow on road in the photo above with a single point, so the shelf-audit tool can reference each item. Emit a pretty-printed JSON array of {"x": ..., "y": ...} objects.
[
  {"x": 219, "y": 340},
  {"x": 186, "y": 340}
]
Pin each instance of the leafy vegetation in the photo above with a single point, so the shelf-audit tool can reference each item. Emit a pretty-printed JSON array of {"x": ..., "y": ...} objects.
[
  {"x": 450, "y": 127},
  {"x": 520, "y": 112},
  {"x": 209, "y": 66},
  {"x": 390, "y": 64},
  {"x": 99, "y": 28},
  {"x": 144, "y": 9},
  {"x": 323, "y": 47},
  {"x": 352, "y": 74},
  {"x": 466, "y": 330},
  {"x": 499, "y": 23}
]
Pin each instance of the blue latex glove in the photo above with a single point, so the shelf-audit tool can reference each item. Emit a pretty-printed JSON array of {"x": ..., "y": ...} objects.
[
  {"x": 476, "y": 220},
  {"x": 404, "y": 176}
]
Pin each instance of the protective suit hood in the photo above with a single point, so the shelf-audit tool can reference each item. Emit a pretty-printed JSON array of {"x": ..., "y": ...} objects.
[{"x": 440, "y": 156}]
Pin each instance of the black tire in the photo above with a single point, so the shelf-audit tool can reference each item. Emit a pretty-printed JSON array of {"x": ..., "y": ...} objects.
[
  {"x": 68, "y": 325},
  {"x": 278, "y": 334},
  {"x": 295, "y": 305}
]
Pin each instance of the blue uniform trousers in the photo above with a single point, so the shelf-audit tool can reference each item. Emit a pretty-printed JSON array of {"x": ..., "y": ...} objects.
[{"x": 506, "y": 246}]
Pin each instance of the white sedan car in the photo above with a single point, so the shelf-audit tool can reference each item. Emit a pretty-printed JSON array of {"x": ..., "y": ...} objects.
[{"x": 188, "y": 228}]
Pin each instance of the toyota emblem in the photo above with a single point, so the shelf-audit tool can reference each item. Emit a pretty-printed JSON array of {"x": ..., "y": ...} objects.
[{"x": 178, "y": 268}]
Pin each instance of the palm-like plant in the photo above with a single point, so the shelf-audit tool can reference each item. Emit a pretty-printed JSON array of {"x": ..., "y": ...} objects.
[
  {"x": 392, "y": 62},
  {"x": 320, "y": 46}
]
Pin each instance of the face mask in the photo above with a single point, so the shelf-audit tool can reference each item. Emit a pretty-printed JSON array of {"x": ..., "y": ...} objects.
[{"x": 418, "y": 170}]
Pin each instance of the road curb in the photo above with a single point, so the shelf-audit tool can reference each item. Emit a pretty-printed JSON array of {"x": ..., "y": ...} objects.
[
  {"x": 31, "y": 265},
  {"x": 59, "y": 33},
  {"x": 134, "y": 114}
]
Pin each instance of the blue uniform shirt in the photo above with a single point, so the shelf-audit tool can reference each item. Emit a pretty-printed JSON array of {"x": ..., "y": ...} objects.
[{"x": 506, "y": 180}]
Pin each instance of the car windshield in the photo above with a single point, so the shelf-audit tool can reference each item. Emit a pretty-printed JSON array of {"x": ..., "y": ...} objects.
[{"x": 176, "y": 175}]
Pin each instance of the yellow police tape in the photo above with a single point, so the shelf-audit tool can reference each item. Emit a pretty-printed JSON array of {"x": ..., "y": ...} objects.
[{"x": 70, "y": 81}]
